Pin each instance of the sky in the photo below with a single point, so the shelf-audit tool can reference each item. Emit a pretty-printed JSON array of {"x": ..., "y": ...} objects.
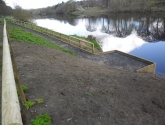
[{"x": 33, "y": 4}]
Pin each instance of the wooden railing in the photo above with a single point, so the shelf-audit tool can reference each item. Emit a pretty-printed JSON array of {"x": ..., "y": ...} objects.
[
  {"x": 81, "y": 44},
  {"x": 10, "y": 104}
]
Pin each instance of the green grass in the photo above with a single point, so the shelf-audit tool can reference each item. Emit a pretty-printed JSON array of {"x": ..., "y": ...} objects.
[
  {"x": 24, "y": 88},
  {"x": 104, "y": 92},
  {"x": 24, "y": 36},
  {"x": 29, "y": 104},
  {"x": 8, "y": 19},
  {"x": 89, "y": 94},
  {"x": 96, "y": 45},
  {"x": 1, "y": 20},
  {"x": 41, "y": 120},
  {"x": 41, "y": 100}
]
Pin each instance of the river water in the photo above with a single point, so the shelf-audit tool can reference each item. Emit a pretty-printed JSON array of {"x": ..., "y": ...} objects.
[{"x": 136, "y": 34}]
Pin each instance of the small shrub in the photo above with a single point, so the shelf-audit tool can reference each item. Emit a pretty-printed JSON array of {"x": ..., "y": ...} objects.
[
  {"x": 29, "y": 104},
  {"x": 41, "y": 120}
]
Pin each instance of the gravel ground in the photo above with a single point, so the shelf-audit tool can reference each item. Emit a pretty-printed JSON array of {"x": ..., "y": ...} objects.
[{"x": 115, "y": 60}]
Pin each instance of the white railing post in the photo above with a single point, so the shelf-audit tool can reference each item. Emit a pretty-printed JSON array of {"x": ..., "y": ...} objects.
[{"x": 10, "y": 104}]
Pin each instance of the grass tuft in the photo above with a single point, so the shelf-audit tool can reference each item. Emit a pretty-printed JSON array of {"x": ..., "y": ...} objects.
[
  {"x": 41, "y": 120},
  {"x": 29, "y": 104},
  {"x": 39, "y": 101}
]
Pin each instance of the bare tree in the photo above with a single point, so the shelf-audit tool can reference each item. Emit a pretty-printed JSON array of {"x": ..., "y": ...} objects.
[{"x": 21, "y": 14}]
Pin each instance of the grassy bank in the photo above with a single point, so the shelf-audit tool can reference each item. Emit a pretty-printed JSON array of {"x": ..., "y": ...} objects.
[
  {"x": 96, "y": 45},
  {"x": 24, "y": 36}
]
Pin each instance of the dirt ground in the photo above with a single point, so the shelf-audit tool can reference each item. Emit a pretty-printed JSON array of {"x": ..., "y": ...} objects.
[{"x": 80, "y": 92}]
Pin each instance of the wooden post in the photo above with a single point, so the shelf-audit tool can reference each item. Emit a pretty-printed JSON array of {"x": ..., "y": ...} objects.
[
  {"x": 93, "y": 48},
  {"x": 69, "y": 40},
  {"x": 80, "y": 43},
  {"x": 10, "y": 103}
]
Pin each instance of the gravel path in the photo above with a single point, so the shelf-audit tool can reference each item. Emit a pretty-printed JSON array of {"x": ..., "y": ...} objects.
[{"x": 115, "y": 59}]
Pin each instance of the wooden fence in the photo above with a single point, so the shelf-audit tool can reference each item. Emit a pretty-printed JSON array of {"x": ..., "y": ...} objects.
[
  {"x": 84, "y": 45},
  {"x": 10, "y": 104},
  {"x": 81, "y": 44}
]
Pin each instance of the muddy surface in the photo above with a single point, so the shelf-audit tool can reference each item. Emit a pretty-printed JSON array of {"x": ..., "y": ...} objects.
[{"x": 77, "y": 91}]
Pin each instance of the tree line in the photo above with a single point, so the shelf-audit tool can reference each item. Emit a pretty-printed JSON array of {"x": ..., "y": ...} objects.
[
  {"x": 110, "y": 5},
  {"x": 61, "y": 8},
  {"x": 4, "y": 9},
  {"x": 70, "y": 6},
  {"x": 17, "y": 12}
]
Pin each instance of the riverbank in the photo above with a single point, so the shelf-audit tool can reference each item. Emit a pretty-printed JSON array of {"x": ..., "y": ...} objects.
[
  {"x": 78, "y": 91},
  {"x": 92, "y": 11},
  {"x": 96, "y": 11},
  {"x": 110, "y": 59}
]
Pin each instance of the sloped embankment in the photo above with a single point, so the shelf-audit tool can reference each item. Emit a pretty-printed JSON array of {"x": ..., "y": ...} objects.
[{"x": 78, "y": 91}]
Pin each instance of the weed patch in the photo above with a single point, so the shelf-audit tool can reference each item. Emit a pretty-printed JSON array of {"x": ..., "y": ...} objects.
[
  {"x": 29, "y": 104},
  {"x": 89, "y": 94},
  {"x": 40, "y": 100},
  {"x": 24, "y": 88},
  {"x": 41, "y": 120}
]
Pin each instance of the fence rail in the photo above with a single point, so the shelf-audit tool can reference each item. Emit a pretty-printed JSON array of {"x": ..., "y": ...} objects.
[
  {"x": 81, "y": 44},
  {"x": 84, "y": 45},
  {"x": 10, "y": 104}
]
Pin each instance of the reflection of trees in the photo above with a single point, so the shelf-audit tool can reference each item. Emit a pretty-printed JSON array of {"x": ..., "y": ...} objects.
[
  {"x": 90, "y": 27},
  {"x": 61, "y": 17},
  {"x": 103, "y": 27},
  {"x": 149, "y": 28}
]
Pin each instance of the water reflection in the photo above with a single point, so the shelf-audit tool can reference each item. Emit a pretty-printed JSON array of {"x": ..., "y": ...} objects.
[
  {"x": 135, "y": 34},
  {"x": 112, "y": 31},
  {"x": 150, "y": 28},
  {"x": 126, "y": 44}
]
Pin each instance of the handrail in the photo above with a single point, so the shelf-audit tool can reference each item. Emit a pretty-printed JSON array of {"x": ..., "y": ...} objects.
[
  {"x": 81, "y": 44},
  {"x": 10, "y": 104}
]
